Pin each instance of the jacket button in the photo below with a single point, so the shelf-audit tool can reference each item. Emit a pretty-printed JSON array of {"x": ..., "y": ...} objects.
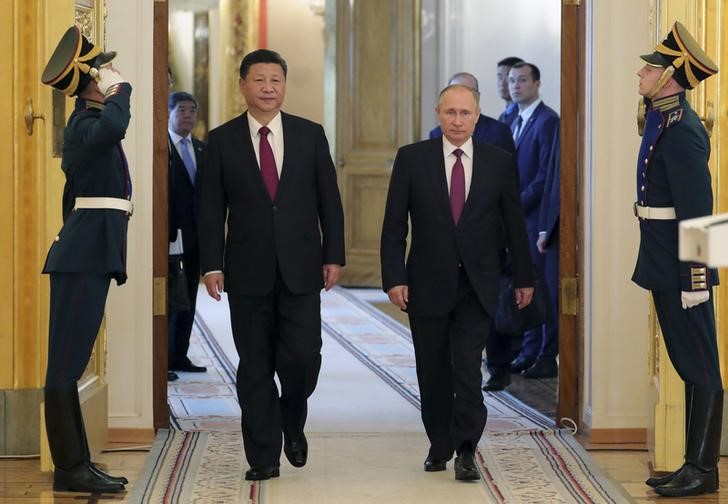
[
  {"x": 651, "y": 147},
  {"x": 646, "y": 161},
  {"x": 643, "y": 188},
  {"x": 275, "y": 208},
  {"x": 57, "y": 238}
]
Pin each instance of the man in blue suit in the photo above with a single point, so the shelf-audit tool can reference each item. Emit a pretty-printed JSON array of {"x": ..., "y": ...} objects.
[
  {"x": 487, "y": 129},
  {"x": 510, "y": 113},
  {"x": 534, "y": 130}
]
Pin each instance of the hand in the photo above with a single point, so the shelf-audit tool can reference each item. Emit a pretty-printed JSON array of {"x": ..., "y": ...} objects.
[
  {"x": 108, "y": 76},
  {"x": 523, "y": 296},
  {"x": 332, "y": 272},
  {"x": 215, "y": 284},
  {"x": 399, "y": 295},
  {"x": 690, "y": 299},
  {"x": 541, "y": 243}
]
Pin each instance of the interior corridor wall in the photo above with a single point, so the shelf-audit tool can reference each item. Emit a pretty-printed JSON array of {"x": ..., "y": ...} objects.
[
  {"x": 615, "y": 309},
  {"x": 473, "y": 35},
  {"x": 129, "y": 30}
]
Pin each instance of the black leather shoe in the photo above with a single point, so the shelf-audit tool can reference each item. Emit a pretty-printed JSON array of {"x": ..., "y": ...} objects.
[
  {"x": 262, "y": 473},
  {"x": 497, "y": 382},
  {"x": 82, "y": 479},
  {"x": 690, "y": 480},
  {"x": 172, "y": 376},
  {"x": 656, "y": 481},
  {"x": 187, "y": 367},
  {"x": 542, "y": 368},
  {"x": 465, "y": 469},
  {"x": 296, "y": 451},
  {"x": 521, "y": 364},
  {"x": 434, "y": 465},
  {"x": 106, "y": 476}
]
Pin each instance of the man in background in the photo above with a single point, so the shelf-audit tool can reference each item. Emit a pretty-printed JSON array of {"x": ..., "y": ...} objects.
[
  {"x": 534, "y": 130},
  {"x": 186, "y": 157},
  {"x": 510, "y": 113}
]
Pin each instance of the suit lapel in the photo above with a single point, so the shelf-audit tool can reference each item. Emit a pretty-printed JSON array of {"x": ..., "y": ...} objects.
[
  {"x": 439, "y": 178},
  {"x": 177, "y": 164},
  {"x": 527, "y": 126},
  {"x": 289, "y": 146},
  {"x": 477, "y": 179}
]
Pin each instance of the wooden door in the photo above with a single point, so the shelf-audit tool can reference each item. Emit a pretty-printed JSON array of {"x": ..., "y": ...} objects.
[
  {"x": 31, "y": 191},
  {"x": 377, "y": 108}
]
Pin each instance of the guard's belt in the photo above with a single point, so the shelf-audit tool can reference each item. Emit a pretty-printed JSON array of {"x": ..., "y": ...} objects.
[
  {"x": 107, "y": 203},
  {"x": 654, "y": 213}
]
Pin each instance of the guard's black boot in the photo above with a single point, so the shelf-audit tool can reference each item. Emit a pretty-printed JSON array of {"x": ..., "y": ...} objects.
[
  {"x": 92, "y": 466},
  {"x": 700, "y": 472},
  {"x": 73, "y": 471},
  {"x": 656, "y": 481}
]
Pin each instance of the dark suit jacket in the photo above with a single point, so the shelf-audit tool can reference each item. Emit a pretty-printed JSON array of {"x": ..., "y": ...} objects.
[
  {"x": 551, "y": 201},
  {"x": 672, "y": 171},
  {"x": 533, "y": 152},
  {"x": 297, "y": 233},
  {"x": 487, "y": 130},
  {"x": 509, "y": 115},
  {"x": 418, "y": 192},
  {"x": 94, "y": 240},
  {"x": 183, "y": 201}
]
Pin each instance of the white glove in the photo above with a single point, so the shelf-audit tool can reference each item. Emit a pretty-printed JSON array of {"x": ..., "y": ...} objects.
[
  {"x": 690, "y": 299},
  {"x": 108, "y": 76}
]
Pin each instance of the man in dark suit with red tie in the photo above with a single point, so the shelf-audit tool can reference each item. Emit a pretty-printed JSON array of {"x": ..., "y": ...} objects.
[
  {"x": 270, "y": 179},
  {"x": 186, "y": 157},
  {"x": 534, "y": 130},
  {"x": 457, "y": 194}
]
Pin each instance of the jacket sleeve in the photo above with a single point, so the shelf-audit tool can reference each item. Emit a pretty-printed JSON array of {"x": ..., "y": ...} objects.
[
  {"x": 110, "y": 126},
  {"x": 395, "y": 226},
  {"x": 515, "y": 225},
  {"x": 212, "y": 207},
  {"x": 331, "y": 213},
  {"x": 690, "y": 186},
  {"x": 550, "y": 203},
  {"x": 532, "y": 194}
]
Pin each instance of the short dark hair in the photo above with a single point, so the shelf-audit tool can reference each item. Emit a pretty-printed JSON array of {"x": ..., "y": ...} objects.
[
  {"x": 262, "y": 56},
  {"x": 509, "y": 61},
  {"x": 535, "y": 72},
  {"x": 179, "y": 96}
]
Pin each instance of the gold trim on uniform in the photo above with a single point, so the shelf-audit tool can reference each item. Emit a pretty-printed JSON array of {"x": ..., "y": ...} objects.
[
  {"x": 698, "y": 277},
  {"x": 667, "y": 102}
]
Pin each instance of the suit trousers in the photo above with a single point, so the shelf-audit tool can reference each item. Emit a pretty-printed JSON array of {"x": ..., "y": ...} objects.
[
  {"x": 278, "y": 333},
  {"x": 76, "y": 309},
  {"x": 180, "y": 323},
  {"x": 448, "y": 353},
  {"x": 690, "y": 338}
]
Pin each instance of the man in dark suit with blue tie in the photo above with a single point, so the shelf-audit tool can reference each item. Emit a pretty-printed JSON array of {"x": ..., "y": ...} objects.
[
  {"x": 271, "y": 184},
  {"x": 186, "y": 157},
  {"x": 487, "y": 129},
  {"x": 534, "y": 130},
  {"x": 457, "y": 194}
]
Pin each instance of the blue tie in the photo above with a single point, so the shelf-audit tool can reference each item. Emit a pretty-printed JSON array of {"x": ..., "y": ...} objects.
[
  {"x": 187, "y": 160},
  {"x": 517, "y": 125}
]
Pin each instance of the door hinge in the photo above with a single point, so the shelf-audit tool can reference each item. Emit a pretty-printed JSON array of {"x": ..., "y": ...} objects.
[
  {"x": 572, "y": 2},
  {"x": 569, "y": 296},
  {"x": 159, "y": 296}
]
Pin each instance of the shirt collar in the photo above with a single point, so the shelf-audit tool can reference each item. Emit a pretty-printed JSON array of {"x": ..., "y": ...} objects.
[
  {"x": 275, "y": 125},
  {"x": 528, "y": 112},
  {"x": 176, "y": 138},
  {"x": 467, "y": 147}
]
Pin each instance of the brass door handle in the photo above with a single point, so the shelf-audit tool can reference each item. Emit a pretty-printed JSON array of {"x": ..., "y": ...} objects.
[
  {"x": 29, "y": 116},
  {"x": 709, "y": 119}
]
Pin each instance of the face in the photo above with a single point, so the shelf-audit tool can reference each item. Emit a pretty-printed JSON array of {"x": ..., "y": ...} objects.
[
  {"x": 522, "y": 87},
  {"x": 183, "y": 117},
  {"x": 264, "y": 89},
  {"x": 457, "y": 113},
  {"x": 649, "y": 75},
  {"x": 501, "y": 79}
]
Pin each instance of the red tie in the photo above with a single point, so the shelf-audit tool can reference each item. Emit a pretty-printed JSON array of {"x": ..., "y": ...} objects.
[
  {"x": 268, "y": 164},
  {"x": 457, "y": 187}
]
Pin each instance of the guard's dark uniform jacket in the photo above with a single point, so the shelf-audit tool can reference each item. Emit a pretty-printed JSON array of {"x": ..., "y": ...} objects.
[
  {"x": 94, "y": 240},
  {"x": 672, "y": 171}
]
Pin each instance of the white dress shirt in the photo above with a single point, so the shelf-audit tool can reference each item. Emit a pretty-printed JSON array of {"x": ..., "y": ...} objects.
[
  {"x": 466, "y": 159},
  {"x": 275, "y": 139},
  {"x": 177, "y": 145}
]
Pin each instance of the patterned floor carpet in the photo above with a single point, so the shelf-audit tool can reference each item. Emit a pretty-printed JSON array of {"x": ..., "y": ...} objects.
[{"x": 523, "y": 458}]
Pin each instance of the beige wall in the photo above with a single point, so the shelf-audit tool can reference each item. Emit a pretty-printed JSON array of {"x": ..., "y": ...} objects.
[
  {"x": 615, "y": 318},
  {"x": 129, "y": 308},
  {"x": 298, "y": 35}
]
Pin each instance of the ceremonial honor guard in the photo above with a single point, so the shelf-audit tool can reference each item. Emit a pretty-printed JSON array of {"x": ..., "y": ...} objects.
[
  {"x": 673, "y": 184},
  {"x": 90, "y": 248}
]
